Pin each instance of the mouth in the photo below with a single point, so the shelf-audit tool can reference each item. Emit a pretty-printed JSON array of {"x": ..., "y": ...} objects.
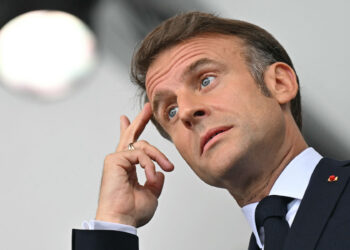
[{"x": 210, "y": 135}]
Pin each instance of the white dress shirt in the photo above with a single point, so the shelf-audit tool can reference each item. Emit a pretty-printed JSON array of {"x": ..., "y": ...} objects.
[
  {"x": 103, "y": 225},
  {"x": 292, "y": 182}
]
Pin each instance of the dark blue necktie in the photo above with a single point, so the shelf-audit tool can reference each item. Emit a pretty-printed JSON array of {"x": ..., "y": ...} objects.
[{"x": 270, "y": 214}]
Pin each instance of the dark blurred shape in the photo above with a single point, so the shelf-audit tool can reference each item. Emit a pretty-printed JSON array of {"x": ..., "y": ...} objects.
[
  {"x": 122, "y": 24},
  {"x": 146, "y": 15},
  {"x": 82, "y": 9},
  {"x": 325, "y": 140}
]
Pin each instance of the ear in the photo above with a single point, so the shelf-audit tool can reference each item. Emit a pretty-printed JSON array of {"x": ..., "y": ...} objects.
[{"x": 281, "y": 81}]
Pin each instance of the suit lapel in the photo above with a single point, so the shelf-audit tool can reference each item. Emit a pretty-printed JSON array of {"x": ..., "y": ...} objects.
[{"x": 320, "y": 199}]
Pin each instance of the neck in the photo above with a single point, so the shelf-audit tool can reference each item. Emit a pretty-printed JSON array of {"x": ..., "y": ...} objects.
[{"x": 258, "y": 186}]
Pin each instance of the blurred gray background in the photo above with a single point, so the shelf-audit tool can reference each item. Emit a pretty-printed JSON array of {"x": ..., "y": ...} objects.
[{"x": 51, "y": 154}]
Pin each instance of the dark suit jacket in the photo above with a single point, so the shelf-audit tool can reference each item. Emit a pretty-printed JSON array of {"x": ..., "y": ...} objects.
[
  {"x": 322, "y": 221},
  {"x": 323, "y": 218}
]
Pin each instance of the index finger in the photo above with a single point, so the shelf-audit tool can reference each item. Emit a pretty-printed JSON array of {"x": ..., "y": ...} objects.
[{"x": 132, "y": 133}]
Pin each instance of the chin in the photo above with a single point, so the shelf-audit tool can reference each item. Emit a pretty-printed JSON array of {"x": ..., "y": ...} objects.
[{"x": 225, "y": 166}]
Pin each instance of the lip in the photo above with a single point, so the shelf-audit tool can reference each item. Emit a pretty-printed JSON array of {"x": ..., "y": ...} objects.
[{"x": 205, "y": 139}]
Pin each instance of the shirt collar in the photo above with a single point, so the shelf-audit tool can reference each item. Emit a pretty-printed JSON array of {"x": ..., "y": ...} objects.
[{"x": 292, "y": 182}]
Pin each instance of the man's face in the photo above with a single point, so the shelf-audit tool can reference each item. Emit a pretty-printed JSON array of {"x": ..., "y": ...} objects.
[{"x": 205, "y": 98}]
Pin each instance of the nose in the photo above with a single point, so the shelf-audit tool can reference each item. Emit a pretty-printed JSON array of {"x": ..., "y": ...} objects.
[{"x": 192, "y": 110}]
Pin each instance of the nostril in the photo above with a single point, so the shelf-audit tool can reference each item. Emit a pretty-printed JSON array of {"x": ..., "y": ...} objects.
[
  {"x": 199, "y": 113},
  {"x": 188, "y": 124}
]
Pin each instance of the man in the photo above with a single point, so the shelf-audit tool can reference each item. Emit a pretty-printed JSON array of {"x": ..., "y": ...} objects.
[{"x": 225, "y": 92}]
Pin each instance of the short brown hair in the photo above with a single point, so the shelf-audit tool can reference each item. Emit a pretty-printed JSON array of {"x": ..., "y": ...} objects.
[{"x": 261, "y": 49}]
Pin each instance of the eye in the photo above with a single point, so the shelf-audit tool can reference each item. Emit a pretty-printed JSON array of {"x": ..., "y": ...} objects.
[
  {"x": 172, "y": 112},
  {"x": 206, "y": 81}
]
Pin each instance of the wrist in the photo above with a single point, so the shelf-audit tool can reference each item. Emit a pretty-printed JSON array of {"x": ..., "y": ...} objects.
[{"x": 120, "y": 219}]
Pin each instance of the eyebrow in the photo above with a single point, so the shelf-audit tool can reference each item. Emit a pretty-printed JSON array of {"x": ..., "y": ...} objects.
[
  {"x": 192, "y": 68},
  {"x": 197, "y": 65}
]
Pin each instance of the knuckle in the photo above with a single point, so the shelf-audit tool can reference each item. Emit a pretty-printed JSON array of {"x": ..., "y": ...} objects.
[
  {"x": 139, "y": 152},
  {"x": 143, "y": 141},
  {"x": 113, "y": 160},
  {"x": 108, "y": 162},
  {"x": 143, "y": 144},
  {"x": 108, "y": 159}
]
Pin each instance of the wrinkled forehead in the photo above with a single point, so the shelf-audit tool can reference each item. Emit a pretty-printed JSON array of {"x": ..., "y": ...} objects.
[{"x": 179, "y": 56}]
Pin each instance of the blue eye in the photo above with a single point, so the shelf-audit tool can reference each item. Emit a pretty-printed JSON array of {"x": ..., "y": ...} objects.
[
  {"x": 172, "y": 112},
  {"x": 207, "y": 80}
]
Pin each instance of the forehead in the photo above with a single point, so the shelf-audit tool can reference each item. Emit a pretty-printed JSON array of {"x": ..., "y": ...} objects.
[{"x": 173, "y": 62}]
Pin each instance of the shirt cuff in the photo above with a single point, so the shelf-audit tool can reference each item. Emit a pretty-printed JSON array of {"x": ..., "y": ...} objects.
[{"x": 103, "y": 225}]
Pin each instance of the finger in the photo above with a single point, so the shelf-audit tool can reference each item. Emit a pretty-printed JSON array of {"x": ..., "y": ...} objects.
[
  {"x": 155, "y": 154},
  {"x": 157, "y": 186},
  {"x": 124, "y": 124},
  {"x": 131, "y": 131},
  {"x": 128, "y": 159},
  {"x": 138, "y": 125},
  {"x": 150, "y": 168}
]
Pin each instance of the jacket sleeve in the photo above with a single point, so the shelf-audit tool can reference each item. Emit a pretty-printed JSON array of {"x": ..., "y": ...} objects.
[{"x": 103, "y": 240}]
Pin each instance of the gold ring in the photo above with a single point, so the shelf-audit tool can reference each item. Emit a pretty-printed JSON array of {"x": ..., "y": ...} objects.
[{"x": 131, "y": 146}]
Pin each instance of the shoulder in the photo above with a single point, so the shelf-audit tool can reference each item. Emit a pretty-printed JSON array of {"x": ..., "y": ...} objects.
[{"x": 329, "y": 162}]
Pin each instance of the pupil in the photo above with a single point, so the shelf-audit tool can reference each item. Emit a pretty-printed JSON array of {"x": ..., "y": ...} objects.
[
  {"x": 206, "y": 82},
  {"x": 172, "y": 113}
]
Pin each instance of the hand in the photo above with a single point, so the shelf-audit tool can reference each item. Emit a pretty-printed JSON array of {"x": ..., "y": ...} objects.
[{"x": 122, "y": 199}]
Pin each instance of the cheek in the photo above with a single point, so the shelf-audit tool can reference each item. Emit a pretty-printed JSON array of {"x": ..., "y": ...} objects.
[
  {"x": 179, "y": 143},
  {"x": 231, "y": 96},
  {"x": 186, "y": 148},
  {"x": 182, "y": 144}
]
